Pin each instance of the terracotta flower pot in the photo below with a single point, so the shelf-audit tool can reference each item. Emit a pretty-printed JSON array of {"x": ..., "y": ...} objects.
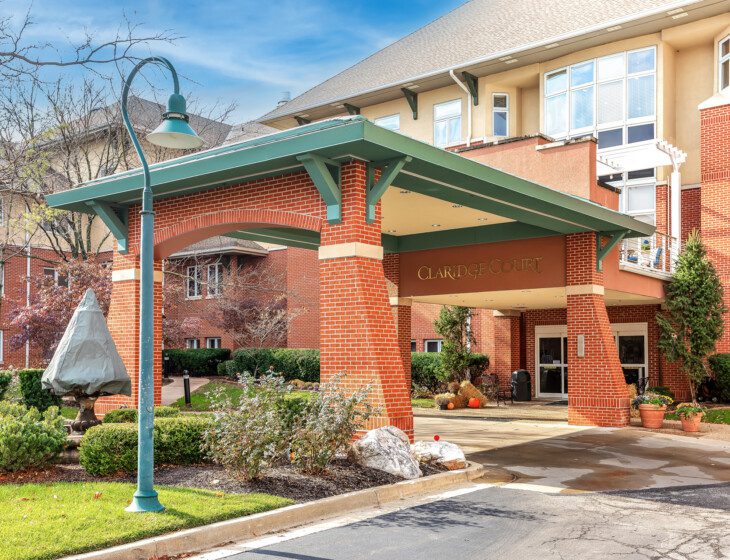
[
  {"x": 691, "y": 423},
  {"x": 652, "y": 415}
]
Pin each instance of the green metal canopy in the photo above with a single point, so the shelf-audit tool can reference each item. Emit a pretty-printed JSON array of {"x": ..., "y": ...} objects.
[{"x": 320, "y": 147}]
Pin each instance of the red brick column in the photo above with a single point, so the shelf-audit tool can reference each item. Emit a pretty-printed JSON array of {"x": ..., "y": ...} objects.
[
  {"x": 123, "y": 321},
  {"x": 358, "y": 335},
  {"x": 402, "y": 311},
  {"x": 597, "y": 391},
  {"x": 715, "y": 191}
]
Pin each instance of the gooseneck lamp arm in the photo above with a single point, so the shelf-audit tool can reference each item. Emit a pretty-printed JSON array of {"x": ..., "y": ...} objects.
[{"x": 145, "y": 497}]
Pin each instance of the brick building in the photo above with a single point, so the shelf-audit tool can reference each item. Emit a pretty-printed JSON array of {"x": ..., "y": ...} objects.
[{"x": 543, "y": 176}]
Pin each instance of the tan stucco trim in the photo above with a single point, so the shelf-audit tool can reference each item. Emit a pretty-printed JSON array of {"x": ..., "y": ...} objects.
[
  {"x": 135, "y": 274},
  {"x": 584, "y": 289},
  {"x": 356, "y": 249},
  {"x": 506, "y": 313},
  {"x": 400, "y": 302}
]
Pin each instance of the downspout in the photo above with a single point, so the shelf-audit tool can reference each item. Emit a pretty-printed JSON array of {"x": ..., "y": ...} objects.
[{"x": 469, "y": 102}]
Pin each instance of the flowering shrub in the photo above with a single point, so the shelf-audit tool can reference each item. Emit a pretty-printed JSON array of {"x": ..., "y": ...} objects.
[
  {"x": 29, "y": 438},
  {"x": 653, "y": 398},
  {"x": 688, "y": 410},
  {"x": 248, "y": 436},
  {"x": 327, "y": 425}
]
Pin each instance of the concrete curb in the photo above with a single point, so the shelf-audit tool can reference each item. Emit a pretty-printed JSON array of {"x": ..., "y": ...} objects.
[{"x": 252, "y": 526}]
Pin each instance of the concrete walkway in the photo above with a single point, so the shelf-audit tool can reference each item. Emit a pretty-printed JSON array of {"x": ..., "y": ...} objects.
[
  {"x": 175, "y": 390},
  {"x": 569, "y": 458}
]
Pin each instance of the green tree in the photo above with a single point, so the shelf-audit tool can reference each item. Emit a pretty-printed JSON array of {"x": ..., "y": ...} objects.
[
  {"x": 693, "y": 322},
  {"x": 453, "y": 325}
]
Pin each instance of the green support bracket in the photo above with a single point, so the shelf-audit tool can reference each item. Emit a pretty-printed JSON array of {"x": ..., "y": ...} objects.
[
  {"x": 388, "y": 171},
  {"x": 325, "y": 174},
  {"x": 614, "y": 238},
  {"x": 351, "y": 109},
  {"x": 412, "y": 98},
  {"x": 301, "y": 120},
  {"x": 472, "y": 83},
  {"x": 115, "y": 220}
]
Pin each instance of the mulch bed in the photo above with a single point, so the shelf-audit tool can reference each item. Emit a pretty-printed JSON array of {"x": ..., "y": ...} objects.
[{"x": 285, "y": 481}]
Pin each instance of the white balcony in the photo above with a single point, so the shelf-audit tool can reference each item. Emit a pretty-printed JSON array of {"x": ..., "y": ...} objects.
[{"x": 652, "y": 256}]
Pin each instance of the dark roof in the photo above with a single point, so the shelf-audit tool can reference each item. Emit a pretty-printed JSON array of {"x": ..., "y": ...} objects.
[
  {"x": 221, "y": 245},
  {"x": 248, "y": 130}
]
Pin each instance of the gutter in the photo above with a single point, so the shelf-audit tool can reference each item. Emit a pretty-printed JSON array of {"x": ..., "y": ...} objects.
[{"x": 469, "y": 102}]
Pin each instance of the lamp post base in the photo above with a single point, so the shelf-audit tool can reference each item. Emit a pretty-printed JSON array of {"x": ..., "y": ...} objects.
[{"x": 142, "y": 503}]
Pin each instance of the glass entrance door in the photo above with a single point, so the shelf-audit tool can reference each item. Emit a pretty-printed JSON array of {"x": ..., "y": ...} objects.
[
  {"x": 552, "y": 366},
  {"x": 631, "y": 341}
]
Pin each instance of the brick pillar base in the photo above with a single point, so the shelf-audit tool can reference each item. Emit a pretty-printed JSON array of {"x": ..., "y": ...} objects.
[
  {"x": 123, "y": 321},
  {"x": 402, "y": 316},
  {"x": 597, "y": 391},
  {"x": 359, "y": 339}
]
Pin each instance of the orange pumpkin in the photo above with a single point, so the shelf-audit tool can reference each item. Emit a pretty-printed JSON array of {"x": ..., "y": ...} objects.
[
  {"x": 474, "y": 403},
  {"x": 450, "y": 406}
]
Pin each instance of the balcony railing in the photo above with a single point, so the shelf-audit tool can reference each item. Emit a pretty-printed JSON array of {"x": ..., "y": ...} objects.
[{"x": 655, "y": 254}]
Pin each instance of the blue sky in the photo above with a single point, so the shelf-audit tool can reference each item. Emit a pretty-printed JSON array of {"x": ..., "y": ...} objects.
[{"x": 244, "y": 50}]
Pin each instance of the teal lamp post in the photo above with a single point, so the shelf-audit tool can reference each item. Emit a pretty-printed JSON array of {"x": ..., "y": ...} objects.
[{"x": 174, "y": 132}]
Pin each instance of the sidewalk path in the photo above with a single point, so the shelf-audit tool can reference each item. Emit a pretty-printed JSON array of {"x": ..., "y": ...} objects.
[{"x": 175, "y": 390}]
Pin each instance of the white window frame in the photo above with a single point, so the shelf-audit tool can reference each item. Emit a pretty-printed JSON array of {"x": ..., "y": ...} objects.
[
  {"x": 447, "y": 120},
  {"x": 384, "y": 121},
  {"x": 625, "y": 122},
  {"x": 549, "y": 331},
  {"x": 192, "y": 343},
  {"x": 504, "y": 110},
  {"x": 194, "y": 274},
  {"x": 721, "y": 59},
  {"x": 634, "y": 329},
  {"x": 214, "y": 288},
  {"x": 213, "y": 342},
  {"x": 439, "y": 344}
]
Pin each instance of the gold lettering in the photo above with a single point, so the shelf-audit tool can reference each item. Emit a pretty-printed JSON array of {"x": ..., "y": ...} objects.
[{"x": 424, "y": 273}]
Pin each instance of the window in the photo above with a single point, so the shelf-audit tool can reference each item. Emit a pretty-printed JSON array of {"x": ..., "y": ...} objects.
[
  {"x": 413, "y": 345},
  {"x": 500, "y": 114},
  {"x": 213, "y": 342},
  {"x": 391, "y": 122},
  {"x": 192, "y": 343},
  {"x": 432, "y": 345},
  {"x": 447, "y": 123},
  {"x": 724, "y": 60},
  {"x": 613, "y": 98},
  {"x": 194, "y": 282},
  {"x": 215, "y": 279},
  {"x": 56, "y": 278}
]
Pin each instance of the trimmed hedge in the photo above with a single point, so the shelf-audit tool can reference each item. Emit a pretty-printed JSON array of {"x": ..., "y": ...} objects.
[
  {"x": 720, "y": 364},
  {"x": 292, "y": 363},
  {"x": 112, "y": 448},
  {"x": 201, "y": 362},
  {"x": 34, "y": 395},
  {"x": 29, "y": 438},
  {"x": 426, "y": 370},
  {"x": 6, "y": 378},
  {"x": 126, "y": 415}
]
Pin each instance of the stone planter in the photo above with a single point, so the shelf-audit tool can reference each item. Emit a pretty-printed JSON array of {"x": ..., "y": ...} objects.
[
  {"x": 691, "y": 423},
  {"x": 652, "y": 415}
]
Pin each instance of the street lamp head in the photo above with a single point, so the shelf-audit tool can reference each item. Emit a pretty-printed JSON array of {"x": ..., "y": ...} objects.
[{"x": 174, "y": 131}]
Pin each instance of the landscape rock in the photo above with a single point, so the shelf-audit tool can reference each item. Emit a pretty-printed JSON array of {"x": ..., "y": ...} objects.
[
  {"x": 386, "y": 449},
  {"x": 441, "y": 453}
]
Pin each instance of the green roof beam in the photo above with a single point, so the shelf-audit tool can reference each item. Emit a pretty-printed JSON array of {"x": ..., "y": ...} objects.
[
  {"x": 280, "y": 236},
  {"x": 388, "y": 172},
  {"x": 472, "y": 83},
  {"x": 325, "y": 174},
  {"x": 614, "y": 238},
  {"x": 412, "y": 98},
  {"x": 115, "y": 220}
]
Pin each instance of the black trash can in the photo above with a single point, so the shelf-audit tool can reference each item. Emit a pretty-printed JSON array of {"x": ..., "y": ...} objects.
[{"x": 521, "y": 385}]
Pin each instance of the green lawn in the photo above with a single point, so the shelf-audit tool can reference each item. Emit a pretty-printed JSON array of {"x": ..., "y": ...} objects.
[
  {"x": 422, "y": 403},
  {"x": 44, "y": 521},
  {"x": 713, "y": 416},
  {"x": 200, "y": 399},
  {"x": 69, "y": 412}
]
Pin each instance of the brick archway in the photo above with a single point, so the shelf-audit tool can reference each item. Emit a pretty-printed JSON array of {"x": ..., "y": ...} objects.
[{"x": 177, "y": 236}]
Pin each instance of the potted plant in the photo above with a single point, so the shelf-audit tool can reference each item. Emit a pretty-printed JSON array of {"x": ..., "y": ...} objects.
[
  {"x": 691, "y": 415},
  {"x": 652, "y": 407}
]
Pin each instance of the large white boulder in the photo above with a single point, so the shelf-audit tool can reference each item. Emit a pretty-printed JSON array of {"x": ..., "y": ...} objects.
[
  {"x": 442, "y": 453},
  {"x": 386, "y": 449}
]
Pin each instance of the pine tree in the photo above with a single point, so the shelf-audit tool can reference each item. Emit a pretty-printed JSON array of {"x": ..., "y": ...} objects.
[
  {"x": 693, "y": 321},
  {"x": 452, "y": 326}
]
